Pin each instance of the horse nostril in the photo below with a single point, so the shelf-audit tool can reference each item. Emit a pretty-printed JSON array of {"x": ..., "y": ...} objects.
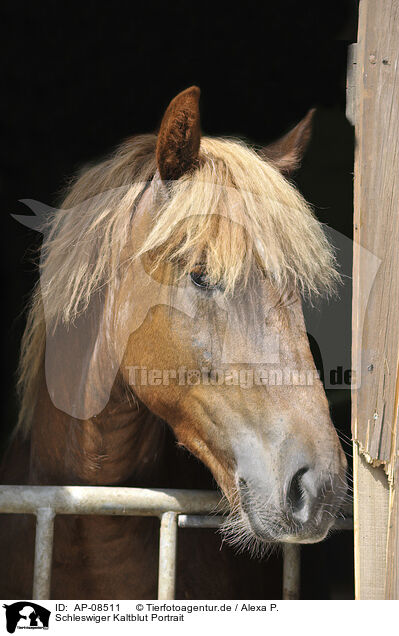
[{"x": 296, "y": 493}]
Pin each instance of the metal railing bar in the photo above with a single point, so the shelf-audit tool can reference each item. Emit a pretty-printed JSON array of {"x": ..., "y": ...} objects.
[
  {"x": 291, "y": 571},
  {"x": 167, "y": 556},
  {"x": 200, "y": 521},
  {"x": 111, "y": 500},
  {"x": 43, "y": 553},
  {"x": 343, "y": 524},
  {"x": 176, "y": 508},
  {"x": 106, "y": 500}
]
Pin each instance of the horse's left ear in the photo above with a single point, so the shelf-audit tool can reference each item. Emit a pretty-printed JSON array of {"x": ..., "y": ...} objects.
[
  {"x": 179, "y": 135},
  {"x": 286, "y": 153}
]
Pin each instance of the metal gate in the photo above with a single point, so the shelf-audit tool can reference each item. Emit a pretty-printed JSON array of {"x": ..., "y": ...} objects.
[{"x": 176, "y": 508}]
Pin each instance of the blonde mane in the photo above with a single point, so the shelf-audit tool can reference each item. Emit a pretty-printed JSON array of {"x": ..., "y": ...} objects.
[{"x": 233, "y": 212}]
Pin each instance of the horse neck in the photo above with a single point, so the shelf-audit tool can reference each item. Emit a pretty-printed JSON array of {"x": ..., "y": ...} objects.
[{"x": 124, "y": 444}]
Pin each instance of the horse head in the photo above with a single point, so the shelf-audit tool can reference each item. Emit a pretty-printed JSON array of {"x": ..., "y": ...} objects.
[{"x": 228, "y": 365}]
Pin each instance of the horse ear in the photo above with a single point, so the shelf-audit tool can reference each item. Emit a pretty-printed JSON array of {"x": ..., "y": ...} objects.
[
  {"x": 179, "y": 135},
  {"x": 286, "y": 153}
]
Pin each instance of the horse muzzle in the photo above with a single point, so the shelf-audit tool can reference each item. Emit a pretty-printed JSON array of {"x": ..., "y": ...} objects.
[{"x": 303, "y": 512}]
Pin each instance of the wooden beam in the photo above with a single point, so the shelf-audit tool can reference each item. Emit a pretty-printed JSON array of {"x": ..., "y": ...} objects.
[
  {"x": 375, "y": 345},
  {"x": 370, "y": 522}
]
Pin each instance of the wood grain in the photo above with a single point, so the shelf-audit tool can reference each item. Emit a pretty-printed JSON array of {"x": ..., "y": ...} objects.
[{"x": 375, "y": 345}]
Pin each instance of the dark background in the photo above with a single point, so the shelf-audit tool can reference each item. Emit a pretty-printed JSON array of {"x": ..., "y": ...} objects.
[{"x": 78, "y": 78}]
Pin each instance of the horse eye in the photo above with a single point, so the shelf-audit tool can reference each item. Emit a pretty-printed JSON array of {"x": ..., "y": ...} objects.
[{"x": 200, "y": 279}]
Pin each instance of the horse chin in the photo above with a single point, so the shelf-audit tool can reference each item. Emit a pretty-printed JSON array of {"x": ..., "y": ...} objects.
[
  {"x": 277, "y": 529},
  {"x": 246, "y": 531}
]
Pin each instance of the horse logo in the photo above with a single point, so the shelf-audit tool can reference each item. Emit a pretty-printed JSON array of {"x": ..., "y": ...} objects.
[{"x": 26, "y": 615}]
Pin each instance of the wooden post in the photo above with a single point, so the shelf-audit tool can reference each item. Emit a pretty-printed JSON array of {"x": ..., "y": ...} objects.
[{"x": 375, "y": 345}]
